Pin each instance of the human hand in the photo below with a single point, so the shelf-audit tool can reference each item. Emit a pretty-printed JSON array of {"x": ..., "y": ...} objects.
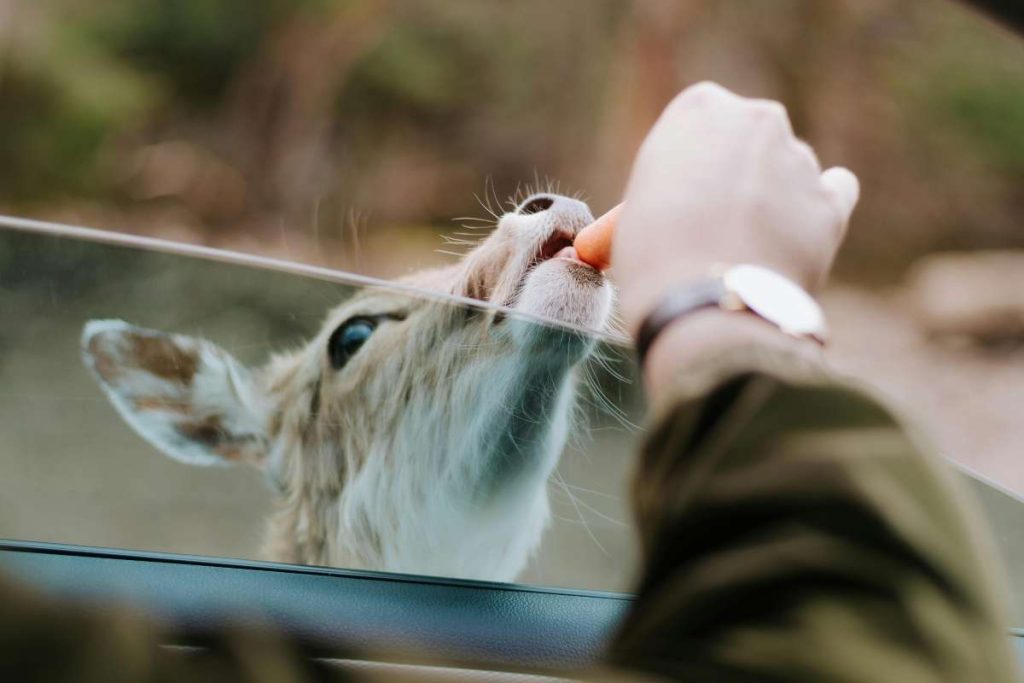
[{"x": 722, "y": 179}]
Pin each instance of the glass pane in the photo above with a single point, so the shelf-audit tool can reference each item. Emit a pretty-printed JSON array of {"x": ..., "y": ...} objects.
[
  {"x": 74, "y": 471},
  {"x": 460, "y": 455},
  {"x": 1004, "y": 511}
]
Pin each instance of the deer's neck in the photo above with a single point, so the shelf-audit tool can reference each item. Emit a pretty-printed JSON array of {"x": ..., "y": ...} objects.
[
  {"x": 459, "y": 486},
  {"x": 519, "y": 433}
]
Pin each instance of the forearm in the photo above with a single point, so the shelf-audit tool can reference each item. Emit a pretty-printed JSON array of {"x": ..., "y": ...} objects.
[{"x": 779, "y": 508}]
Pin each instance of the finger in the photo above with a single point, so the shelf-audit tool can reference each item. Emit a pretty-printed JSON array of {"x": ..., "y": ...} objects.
[
  {"x": 843, "y": 188},
  {"x": 808, "y": 153}
]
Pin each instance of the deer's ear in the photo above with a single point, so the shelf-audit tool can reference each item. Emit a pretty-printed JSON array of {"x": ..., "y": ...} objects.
[{"x": 186, "y": 396}]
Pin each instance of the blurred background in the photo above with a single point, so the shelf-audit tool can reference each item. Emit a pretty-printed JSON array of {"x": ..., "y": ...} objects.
[
  {"x": 351, "y": 133},
  {"x": 285, "y": 126}
]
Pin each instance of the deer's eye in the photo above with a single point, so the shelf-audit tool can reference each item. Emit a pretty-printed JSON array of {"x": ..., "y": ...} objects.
[{"x": 347, "y": 340}]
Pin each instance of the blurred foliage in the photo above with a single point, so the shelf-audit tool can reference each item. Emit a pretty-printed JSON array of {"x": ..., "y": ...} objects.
[
  {"x": 983, "y": 102},
  {"x": 406, "y": 73},
  {"x": 194, "y": 46},
  {"x": 221, "y": 121},
  {"x": 57, "y": 118},
  {"x": 993, "y": 118}
]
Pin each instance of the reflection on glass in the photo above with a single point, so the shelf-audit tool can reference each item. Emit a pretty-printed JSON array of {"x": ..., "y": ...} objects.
[{"x": 395, "y": 430}]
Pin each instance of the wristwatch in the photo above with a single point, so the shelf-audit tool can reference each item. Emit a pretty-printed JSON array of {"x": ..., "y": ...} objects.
[{"x": 744, "y": 287}]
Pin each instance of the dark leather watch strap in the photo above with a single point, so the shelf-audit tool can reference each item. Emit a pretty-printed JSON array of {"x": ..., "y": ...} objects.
[{"x": 675, "y": 304}]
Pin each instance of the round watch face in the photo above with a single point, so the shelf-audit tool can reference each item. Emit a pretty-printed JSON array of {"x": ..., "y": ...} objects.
[{"x": 777, "y": 299}]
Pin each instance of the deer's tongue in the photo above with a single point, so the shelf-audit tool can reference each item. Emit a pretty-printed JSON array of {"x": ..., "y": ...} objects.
[{"x": 568, "y": 253}]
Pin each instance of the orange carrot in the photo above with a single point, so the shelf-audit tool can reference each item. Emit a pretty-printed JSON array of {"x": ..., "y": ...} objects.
[{"x": 594, "y": 242}]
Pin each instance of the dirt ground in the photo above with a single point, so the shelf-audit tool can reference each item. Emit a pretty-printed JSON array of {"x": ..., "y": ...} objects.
[{"x": 968, "y": 401}]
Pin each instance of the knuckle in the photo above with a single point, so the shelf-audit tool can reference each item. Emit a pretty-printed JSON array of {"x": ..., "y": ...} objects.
[
  {"x": 647, "y": 151},
  {"x": 770, "y": 112},
  {"x": 808, "y": 155},
  {"x": 705, "y": 91}
]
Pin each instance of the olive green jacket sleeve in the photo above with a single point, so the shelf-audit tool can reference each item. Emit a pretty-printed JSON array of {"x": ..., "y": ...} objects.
[{"x": 793, "y": 530}]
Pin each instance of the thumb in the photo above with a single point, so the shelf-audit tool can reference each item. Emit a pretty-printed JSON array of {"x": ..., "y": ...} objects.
[{"x": 843, "y": 188}]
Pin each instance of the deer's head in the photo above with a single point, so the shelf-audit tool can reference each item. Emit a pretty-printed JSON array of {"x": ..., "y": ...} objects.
[{"x": 409, "y": 434}]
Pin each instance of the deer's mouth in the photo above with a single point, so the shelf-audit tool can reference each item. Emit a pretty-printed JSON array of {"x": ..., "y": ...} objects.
[
  {"x": 558, "y": 245},
  {"x": 530, "y": 262}
]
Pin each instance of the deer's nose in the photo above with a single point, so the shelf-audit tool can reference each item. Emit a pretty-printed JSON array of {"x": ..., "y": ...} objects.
[
  {"x": 536, "y": 204},
  {"x": 564, "y": 206},
  {"x": 564, "y": 213}
]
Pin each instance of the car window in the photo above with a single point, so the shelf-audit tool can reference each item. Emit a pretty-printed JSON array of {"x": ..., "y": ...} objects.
[
  {"x": 103, "y": 445},
  {"x": 76, "y": 469}
]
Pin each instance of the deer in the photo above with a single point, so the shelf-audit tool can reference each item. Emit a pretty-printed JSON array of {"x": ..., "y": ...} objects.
[{"x": 409, "y": 435}]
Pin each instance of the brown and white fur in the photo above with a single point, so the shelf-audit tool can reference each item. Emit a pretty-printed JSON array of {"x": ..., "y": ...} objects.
[{"x": 427, "y": 451}]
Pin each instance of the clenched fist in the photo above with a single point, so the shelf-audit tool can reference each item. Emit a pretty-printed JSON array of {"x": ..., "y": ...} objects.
[{"x": 723, "y": 179}]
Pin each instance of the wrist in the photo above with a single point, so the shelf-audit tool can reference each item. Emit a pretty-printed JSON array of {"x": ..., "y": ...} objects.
[
  {"x": 645, "y": 290},
  {"x": 641, "y": 293},
  {"x": 690, "y": 341}
]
